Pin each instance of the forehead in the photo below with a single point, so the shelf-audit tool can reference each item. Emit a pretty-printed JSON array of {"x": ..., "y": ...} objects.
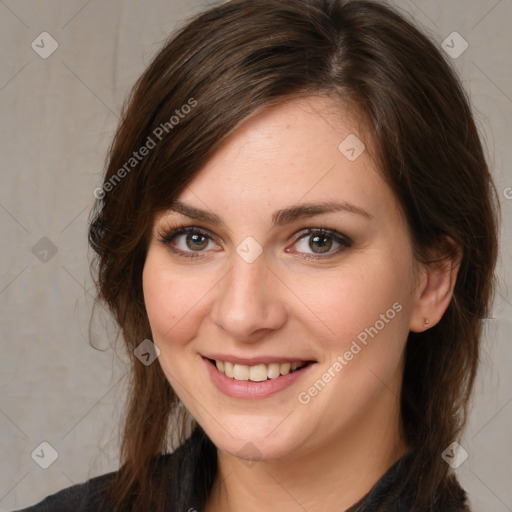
[{"x": 303, "y": 150}]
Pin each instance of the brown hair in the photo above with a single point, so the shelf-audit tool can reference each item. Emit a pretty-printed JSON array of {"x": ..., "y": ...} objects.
[{"x": 230, "y": 62}]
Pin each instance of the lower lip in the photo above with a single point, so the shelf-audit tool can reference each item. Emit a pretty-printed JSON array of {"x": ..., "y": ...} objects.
[{"x": 253, "y": 390}]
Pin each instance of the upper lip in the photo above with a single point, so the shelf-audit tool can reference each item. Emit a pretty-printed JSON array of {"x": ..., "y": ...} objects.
[{"x": 252, "y": 361}]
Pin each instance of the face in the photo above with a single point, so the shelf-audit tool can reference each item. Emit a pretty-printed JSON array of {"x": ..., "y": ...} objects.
[{"x": 280, "y": 287}]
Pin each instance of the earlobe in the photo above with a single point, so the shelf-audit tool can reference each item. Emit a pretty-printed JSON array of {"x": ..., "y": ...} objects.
[{"x": 435, "y": 290}]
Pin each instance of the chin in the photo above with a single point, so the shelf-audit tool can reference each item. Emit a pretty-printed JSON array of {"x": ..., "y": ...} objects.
[{"x": 257, "y": 439}]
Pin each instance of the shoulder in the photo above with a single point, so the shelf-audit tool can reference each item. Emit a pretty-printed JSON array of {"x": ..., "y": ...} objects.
[
  {"x": 184, "y": 475},
  {"x": 89, "y": 496},
  {"x": 81, "y": 497},
  {"x": 394, "y": 492}
]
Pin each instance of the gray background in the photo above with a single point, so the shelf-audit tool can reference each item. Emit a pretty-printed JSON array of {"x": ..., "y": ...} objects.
[{"x": 58, "y": 116}]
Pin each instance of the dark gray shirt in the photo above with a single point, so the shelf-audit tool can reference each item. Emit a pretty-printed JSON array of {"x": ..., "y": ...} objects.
[{"x": 184, "y": 482}]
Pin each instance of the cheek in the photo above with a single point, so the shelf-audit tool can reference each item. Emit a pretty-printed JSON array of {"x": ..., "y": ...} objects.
[
  {"x": 364, "y": 313},
  {"x": 354, "y": 297},
  {"x": 173, "y": 300}
]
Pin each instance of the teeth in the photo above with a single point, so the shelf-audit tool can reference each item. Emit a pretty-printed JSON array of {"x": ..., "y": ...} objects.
[
  {"x": 241, "y": 372},
  {"x": 257, "y": 373},
  {"x": 274, "y": 370},
  {"x": 285, "y": 368},
  {"x": 228, "y": 369}
]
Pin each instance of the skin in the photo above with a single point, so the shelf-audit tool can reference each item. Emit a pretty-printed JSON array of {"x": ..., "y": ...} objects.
[{"x": 328, "y": 453}]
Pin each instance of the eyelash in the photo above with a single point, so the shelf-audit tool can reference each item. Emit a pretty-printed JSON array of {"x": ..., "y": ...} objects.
[{"x": 166, "y": 237}]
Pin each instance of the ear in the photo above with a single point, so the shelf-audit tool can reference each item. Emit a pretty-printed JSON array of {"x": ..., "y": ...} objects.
[{"x": 436, "y": 282}]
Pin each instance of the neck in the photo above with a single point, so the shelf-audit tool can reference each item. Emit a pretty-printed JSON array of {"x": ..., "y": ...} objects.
[{"x": 331, "y": 477}]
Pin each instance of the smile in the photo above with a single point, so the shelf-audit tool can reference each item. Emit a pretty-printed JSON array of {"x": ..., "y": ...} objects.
[
  {"x": 256, "y": 380},
  {"x": 258, "y": 372}
]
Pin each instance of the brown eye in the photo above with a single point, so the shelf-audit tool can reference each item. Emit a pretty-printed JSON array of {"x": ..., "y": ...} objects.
[
  {"x": 320, "y": 243},
  {"x": 189, "y": 241},
  {"x": 196, "y": 242}
]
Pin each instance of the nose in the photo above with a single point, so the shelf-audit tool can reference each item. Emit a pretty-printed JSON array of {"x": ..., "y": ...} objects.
[{"x": 248, "y": 305}]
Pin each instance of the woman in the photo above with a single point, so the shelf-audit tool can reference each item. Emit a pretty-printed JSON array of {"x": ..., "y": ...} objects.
[{"x": 297, "y": 218}]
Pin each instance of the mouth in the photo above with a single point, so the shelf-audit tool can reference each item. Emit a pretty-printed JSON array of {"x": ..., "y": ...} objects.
[{"x": 259, "y": 372}]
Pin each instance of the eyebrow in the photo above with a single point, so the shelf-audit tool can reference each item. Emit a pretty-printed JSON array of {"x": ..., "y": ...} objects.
[{"x": 280, "y": 217}]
